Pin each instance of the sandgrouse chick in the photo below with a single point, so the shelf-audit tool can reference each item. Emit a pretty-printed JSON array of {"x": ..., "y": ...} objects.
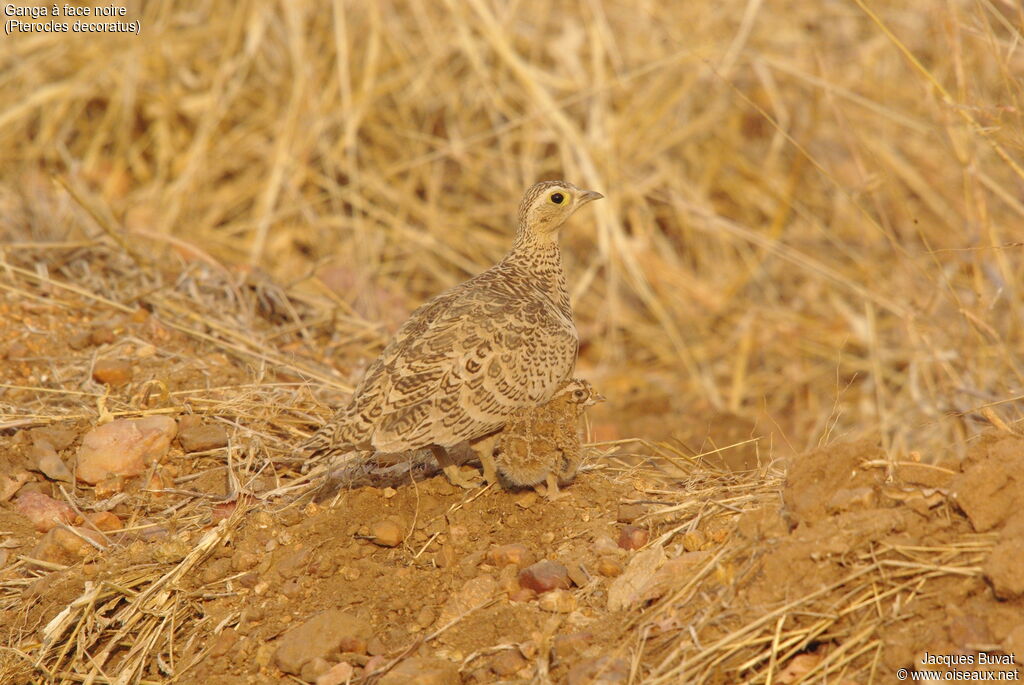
[
  {"x": 542, "y": 444},
  {"x": 465, "y": 361}
]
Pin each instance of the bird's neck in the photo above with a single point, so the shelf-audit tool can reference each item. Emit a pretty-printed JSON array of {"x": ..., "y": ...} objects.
[
  {"x": 542, "y": 260},
  {"x": 528, "y": 239},
  {"x": 538, "y": 254}
]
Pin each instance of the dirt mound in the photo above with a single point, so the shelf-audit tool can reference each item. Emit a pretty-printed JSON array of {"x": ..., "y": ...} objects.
[{"x": 870, "y": 566}]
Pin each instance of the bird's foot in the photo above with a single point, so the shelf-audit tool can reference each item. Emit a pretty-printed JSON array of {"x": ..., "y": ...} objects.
[
  {"x": 549, "y": 490},
  {"x": 456, "y": 477}
]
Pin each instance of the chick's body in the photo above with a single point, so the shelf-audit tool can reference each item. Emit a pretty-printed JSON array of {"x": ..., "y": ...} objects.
[
  {"x": 542, "y": 444},
  {"x": 468, "y": 359}
]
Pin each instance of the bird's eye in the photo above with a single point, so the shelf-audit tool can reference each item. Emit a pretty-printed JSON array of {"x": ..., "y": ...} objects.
[
  {"x": 580, "y": 395},
  {"x": 557, "y": 198}
]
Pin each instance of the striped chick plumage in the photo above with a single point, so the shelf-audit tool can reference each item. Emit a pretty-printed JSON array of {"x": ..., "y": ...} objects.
[{"x": 542, "y": 444}]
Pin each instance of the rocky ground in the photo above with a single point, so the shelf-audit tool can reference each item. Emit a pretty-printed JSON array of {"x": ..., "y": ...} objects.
[{"x": 155, "y": 524}]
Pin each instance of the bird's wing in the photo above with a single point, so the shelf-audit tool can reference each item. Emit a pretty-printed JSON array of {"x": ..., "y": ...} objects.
[
  {"x": 482, "y": 354},
  {"x": 353, "y": 425}
]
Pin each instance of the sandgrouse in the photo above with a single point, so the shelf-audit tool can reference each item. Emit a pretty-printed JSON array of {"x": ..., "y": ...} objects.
[
  {"x": 542, "y": 444},
  {"x": 465, "y": 361}
]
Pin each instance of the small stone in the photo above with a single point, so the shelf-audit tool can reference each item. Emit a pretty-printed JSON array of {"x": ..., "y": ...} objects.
[
  {"x": 223, "y": 642},
  {"x": 604, "y": 670},
  {"x": 422, "y": 671},
  {"x": 338, "y": 674},
  {"x": 557, "y": 601},
  {"x": 633, "y": 537},
  {"x": 508, "y": 579},
  {"x": 673, "y": 573},
  {"x": 66, "y": 545},
  {"x": 389, "y": 493},
  {"x": 565, "y": 647},
  {"x": 544, "y": 576},
  {"x": 474, "y": 593},
  {"x": 529, "y": 648},
  {"x": 609, "y": 568},
  {"x": 104, "y": 521},
  {"x": 375, "y": 662},
  {"x": 626, "y": 590},
  {"x": 317, "y": 637},
  {"x": 124, "y": 447},
  {"x": 44, "y": 512},
  {"x": 694, "y": 541},
  {"x": 113, "y": 372},
  {"x": 11, "y": 483},
  {"x": 507, "y": 662},
  {"x": 243, "y": 561},
  {"x": 514, "y": 554},
  {"x": 604, "y": 545},
  {"x": 352, "y": 645},
  {"x": 386, "y": 533},
  {"x": 80, "y": 340},
  {"x": 426, "y": 617},
  {"x": 577, "y": 575},
  {"x": 294, "y": 563},
  {"x": 103, "y": 334},
  {"x": 215, "y": 570},
  {"x": 171, "y": 551},
  {"x": 50, "y": 464},
  {"x": 523, "y": 594},
  {"x": 468, "y": 563},
  {"x": 527, "y": 500},
  {"x": 108, "y": 487},
  {"x": 458, "y": 534},
  {"x": 627, "y": 513},
  {"x": 202, "y": 437},
  {"x": 848, "y": 499},
  {"x": 375, "y": 646},
  {"x": 189, "y": 421},
  {"x": 969, "y": 629},
  {"x": 264, "y": 654},
  {"x": 222, "y": 510},
  {"x": 1002, "y": 567},
  {"x": 314, "y": 668},
  {"x": 58, "y": 438}
]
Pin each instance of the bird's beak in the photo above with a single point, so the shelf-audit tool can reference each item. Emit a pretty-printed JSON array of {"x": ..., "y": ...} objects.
[
  {"x": 599, "y": 397},
  {"x": 588, "y": 196}
]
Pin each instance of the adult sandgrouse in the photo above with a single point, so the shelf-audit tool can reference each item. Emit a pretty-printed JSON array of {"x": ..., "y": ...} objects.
[
  {"x": 465, "y": 361},
  {"x": 542, "y": 444}
]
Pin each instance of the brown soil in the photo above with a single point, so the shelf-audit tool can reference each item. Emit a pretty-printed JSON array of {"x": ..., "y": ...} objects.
[{"x": 850, "y": 566}]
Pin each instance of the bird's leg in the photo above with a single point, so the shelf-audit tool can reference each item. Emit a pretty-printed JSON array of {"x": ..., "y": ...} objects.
[
  {"x": 451, "y": 469},
  {"x": 551, "y": 493},
  {"x": 485, "y": 452}
]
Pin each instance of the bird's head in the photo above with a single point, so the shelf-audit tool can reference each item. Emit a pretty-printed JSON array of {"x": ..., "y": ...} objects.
[
  {"x": 547, "y": 205},
  {"x": 579, "y": 391}
]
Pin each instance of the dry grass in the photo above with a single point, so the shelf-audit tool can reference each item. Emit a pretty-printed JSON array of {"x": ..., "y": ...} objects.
[
  {"x": 813, "y": 212},
  {"x": 813, "y": 219}
]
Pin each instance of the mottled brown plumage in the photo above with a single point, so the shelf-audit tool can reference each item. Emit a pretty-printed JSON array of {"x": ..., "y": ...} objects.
[
  {"x": 542, "y": 444},
  {"x": 469, "y": 358}
]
